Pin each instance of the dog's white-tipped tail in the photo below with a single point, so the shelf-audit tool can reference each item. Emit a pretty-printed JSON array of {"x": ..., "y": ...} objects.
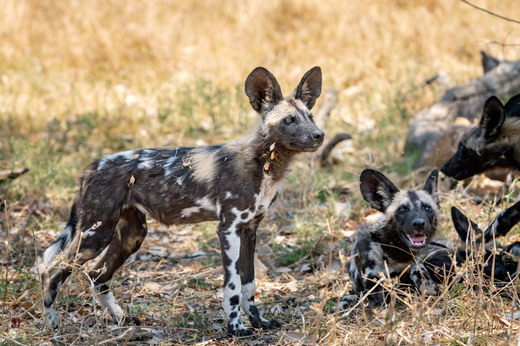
[{"x": 56, "y": 247}]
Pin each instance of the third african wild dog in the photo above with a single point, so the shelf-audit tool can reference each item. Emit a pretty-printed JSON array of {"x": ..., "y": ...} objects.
[
  {"x": 494, "y": 143},
  {"x": 491, "y": 259},
  {"x": 406, "y": 225},
  {"x": 233, "y": 183},
  {"x": 494, "y": 260}
]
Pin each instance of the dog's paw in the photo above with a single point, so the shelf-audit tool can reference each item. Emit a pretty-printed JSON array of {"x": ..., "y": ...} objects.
[
  {"x": 431, "y": 288},
  {"x": 240, "y": 332},
  {"x": 264, "y": 324},
  {"x": 347, "y": 301},
  {"x": 132, "y": 321},
  {"x": 50, "y": 318},
  {"x": 376, "y": 299},
  {"x": 270, "y": 324}
]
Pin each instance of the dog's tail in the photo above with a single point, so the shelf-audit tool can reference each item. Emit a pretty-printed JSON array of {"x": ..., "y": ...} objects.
[{"x": 61, "y": 243}]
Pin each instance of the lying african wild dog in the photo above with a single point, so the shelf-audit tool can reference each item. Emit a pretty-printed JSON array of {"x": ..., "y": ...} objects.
[
  {"x": 406, "y": 225},
  {"x": 494, "y": 143},
  {"x": 501, "y": 265},
  {"x": 233, "y": 183}
]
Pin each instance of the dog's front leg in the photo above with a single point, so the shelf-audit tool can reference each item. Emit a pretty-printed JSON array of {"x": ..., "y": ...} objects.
[
  {"x": 247, "y": 276},
  {"x": 378, "y": 294},
  {"x": 422, "y": 280},
  {"x": 230, "y": 248}
]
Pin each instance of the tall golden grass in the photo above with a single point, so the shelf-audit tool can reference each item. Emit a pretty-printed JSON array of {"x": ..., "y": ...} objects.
[{"x": 70, "y": 57}]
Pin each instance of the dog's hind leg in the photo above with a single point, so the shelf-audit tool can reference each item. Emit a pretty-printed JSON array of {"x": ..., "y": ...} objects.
[
  {"x": 247, "y": 277},
  {"x": 86, "y": 246},
  {"x": 129, "y": 235}
]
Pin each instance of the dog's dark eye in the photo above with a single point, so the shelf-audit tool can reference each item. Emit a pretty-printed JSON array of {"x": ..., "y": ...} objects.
[
  {"x": 427, "y": 208},
  {"x": 288, "y": 120},
  {"x": 402, "y": 210}
]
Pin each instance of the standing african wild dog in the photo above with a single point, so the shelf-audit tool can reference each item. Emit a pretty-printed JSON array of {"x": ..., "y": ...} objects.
[
  {"x": 233, "y": 183},
  {"x": 406, "y": 225},
  {"x": 494, "y": 143}
]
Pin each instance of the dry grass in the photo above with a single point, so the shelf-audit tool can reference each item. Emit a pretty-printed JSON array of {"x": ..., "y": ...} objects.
[{"x": 81, "y": 79}]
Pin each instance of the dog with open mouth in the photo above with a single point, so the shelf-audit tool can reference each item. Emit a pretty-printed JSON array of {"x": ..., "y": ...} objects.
[{"x": 394, "y": 244}]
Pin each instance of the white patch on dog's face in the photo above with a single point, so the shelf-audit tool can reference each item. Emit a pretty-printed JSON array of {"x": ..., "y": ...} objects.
[
  {"x": 403, "y": 198},
  {"x": 280, "y": 111}
]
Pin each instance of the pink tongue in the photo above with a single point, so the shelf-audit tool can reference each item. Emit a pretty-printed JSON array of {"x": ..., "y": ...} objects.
[{"x": 419, "y": 239}]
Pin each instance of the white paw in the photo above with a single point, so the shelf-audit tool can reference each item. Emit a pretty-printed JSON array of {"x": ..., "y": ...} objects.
[
  {"x": 347, "y": 301},
  {"x": 50, "y": 318},
  {"x": 431, "y": 288}
]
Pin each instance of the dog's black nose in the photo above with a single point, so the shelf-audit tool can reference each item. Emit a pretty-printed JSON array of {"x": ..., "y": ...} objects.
[
  {"x": 318, "y": 135},
  {"x": 418, "y": 224}
]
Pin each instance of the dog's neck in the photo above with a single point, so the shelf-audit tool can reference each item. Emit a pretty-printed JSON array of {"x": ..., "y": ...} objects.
[{"x": 273, "y": 158}]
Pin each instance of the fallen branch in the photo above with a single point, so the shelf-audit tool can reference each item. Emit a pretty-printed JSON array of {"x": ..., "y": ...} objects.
[
  {"x": 11, "y": 174},
  {"x": 491, "y": 13}
]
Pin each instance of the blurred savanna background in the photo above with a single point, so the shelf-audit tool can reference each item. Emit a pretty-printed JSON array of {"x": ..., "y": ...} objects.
[{"x": 82, "y": 79}]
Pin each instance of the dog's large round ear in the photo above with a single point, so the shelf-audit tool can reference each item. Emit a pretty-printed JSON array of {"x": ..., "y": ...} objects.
[
  {"x": 431, "y": 185},
  {"x": 493, "y": 117},
  {"x": 309, "y": 88},
  {"x": 462, "y": 225},
  {"x": 262, "y": 89},
  {"x": 503, "y": 223},
  {"x": 377, "y": 189},
  {"x": 513, "y": 106}
]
